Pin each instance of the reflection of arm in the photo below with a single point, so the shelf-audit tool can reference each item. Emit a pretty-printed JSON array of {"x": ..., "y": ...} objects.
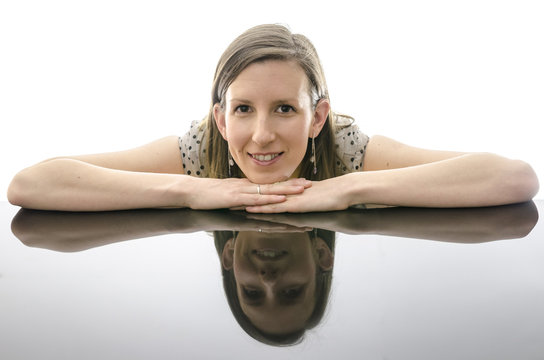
[
  {"x": 461, "y": 225},
  {"x": 69, "y": 231},
  {"x": 470, "y": 225},
  {"x": 65, "y": 231}
]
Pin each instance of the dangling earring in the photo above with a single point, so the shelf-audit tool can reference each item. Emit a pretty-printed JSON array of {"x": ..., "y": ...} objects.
[
  {"x": 230, "y": 161},
  {"x": 312, "y": 158}
]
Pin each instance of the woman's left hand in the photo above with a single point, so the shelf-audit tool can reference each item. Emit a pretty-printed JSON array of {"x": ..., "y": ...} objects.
[{"x": 326, "y": 195}]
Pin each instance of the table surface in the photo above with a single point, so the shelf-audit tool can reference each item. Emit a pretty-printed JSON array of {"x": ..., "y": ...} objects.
[{"x": 406, "y": 284}]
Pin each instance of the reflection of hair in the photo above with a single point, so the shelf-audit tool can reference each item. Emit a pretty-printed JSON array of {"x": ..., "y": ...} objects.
[
  {"x": 322, "y": 290},
  {"x": 260, "y": 43}
]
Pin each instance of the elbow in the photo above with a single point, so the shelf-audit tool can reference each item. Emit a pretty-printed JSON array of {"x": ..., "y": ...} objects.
[
  {"x": 15, "y": 193},
  {"x": 19, "y": 190},
  {"x": 525, "y": 184},
  {"x": 533, "y": 185}
]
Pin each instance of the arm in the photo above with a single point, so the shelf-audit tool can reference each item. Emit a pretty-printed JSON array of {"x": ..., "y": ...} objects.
[
  {"x": 71, "y": 231},
  {"x": 467, "y": 225},
  {"x": 150, "y": 176},
  {"x": 401, "y": 175},
  {"x": 140, "y": 177},
  {"x": 398, "y": 174}
]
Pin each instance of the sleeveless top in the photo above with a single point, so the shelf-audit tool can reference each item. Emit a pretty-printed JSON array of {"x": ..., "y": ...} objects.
[{"x": 350, "y": 147}]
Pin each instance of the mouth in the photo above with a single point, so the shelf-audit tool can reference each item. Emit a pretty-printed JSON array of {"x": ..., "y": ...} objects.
[
  {"x": 265, "y": 159},
  {"x": 269, "y": 254}
]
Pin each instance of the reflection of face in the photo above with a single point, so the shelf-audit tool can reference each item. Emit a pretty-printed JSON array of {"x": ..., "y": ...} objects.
[
  {"x": 275, "y": 276},
  {"x": 267, "y": 117}
]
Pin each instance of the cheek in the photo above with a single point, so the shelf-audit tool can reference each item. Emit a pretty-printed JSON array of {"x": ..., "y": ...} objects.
[
  {"x": 243, "y": 271},
  {"x": 299, "y": 135},
  {"x": 236, "y": 135}
]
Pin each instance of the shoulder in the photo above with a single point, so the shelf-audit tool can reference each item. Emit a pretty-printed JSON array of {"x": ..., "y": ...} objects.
[
  {"x": 192, "y": 148},
  {"x": 196, "y": 131},
  {"x": 350, "y": 143}
]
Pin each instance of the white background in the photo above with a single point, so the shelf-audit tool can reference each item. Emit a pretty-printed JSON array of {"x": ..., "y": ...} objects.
[{"x": 94, "y": 76}]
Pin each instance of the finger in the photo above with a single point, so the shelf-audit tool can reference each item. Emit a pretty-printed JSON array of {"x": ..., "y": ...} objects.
[
  {"x": 279, "y": 218},
  {"x": 277, "y": 228},
  {"x": 283, "y": 218},
  {"x": 266, "y": 209},
  {"x": 290, "y": 187},
  {"x": 281, "y": 189},
  {"x": 298, "y": 181},
  {"x": 288, "y": 229},
  {"x": 256, "y": 200}
]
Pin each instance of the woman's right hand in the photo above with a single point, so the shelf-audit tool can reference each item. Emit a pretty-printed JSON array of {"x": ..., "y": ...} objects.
[{"x": 236, "y": 194}]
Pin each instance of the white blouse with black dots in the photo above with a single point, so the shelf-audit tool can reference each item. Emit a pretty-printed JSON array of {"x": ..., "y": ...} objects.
[{"x": 350, "y": 147}]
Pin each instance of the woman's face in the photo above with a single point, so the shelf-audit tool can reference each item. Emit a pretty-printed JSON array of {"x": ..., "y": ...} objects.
[
  {"x": 275, "y": 279},
  {"x": 268, "y": 118}
]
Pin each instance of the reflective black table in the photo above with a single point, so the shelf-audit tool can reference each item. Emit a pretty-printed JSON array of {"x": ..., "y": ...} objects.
[{"x": 390, "y": 283}]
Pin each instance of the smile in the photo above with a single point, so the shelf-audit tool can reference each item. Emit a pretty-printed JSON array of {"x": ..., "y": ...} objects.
[
  {"x": 267, "y": 157},
  {"x": 269, "y": 254}
]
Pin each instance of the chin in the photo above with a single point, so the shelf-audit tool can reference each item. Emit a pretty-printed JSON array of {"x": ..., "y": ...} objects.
[{"x": 264, "y": 178}]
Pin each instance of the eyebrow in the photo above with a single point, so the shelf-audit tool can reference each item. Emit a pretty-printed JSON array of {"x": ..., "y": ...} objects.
[
  {"x": 291, "y": 302},
  {"x": 281, "y": 301},
  {"x": 243, "y": 297},
  {"x": 240, "y": 100},
  {"x": 280, "y": 101}
]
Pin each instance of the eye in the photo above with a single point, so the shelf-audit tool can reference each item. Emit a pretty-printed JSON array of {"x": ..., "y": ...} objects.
[
  {"x": 242, "y": 109},
  {"x": 285, "y": 108},
  {"x": 292, "y": 293},
  {"x": 252, "y": 294}
]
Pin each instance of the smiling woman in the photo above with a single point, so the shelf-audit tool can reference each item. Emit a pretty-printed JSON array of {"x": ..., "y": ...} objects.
[
  {"x": 271, "y": 143},
  {"x": 268, "y": 119}
]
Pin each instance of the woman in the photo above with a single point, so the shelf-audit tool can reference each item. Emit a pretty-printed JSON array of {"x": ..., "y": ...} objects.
[{"x": 271, "y": 143}]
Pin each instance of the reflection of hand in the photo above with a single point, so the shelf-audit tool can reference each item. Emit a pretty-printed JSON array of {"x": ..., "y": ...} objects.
[
  {"x": 73, "y": 231},
  {"x": 239, "y": 193},
  {"x": 348, "y": 221},
  {"x": 463, "y": 225}
]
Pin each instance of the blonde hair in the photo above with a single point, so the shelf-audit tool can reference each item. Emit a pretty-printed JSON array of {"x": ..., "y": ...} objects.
[{"x": 260, "y": 43}]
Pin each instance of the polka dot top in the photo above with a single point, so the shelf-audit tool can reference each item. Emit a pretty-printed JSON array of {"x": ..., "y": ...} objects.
[{"x": 350, "y": 147}]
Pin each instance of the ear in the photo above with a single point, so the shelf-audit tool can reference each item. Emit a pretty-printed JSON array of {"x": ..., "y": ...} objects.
[
  {"x": 219, "y": 117},
  {"x": 320, "y": 117},
  {"x": 325, "y": 257},
  {"x": 227, "y": 256}
]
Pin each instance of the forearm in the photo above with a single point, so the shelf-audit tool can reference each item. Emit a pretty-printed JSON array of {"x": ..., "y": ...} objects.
[
  {"x": 76, "y": 231},
  {"x": 464, "y": 181},
  {"x": 72, "y": 185}
]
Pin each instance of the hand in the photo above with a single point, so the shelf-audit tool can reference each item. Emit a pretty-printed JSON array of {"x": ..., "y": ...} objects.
[
  {"x": 326, "y": 195},
  {"x": 235, "y": 194},
  {"x": 352, "y": 221},
  {"x": 459, "y": 225}
]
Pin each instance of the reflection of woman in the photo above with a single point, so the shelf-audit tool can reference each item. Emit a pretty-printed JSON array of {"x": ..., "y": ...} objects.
[
  {"x": 276, "y": 274},
  {"x": 270, "y": 130},
  {"x": 277, "y": 285}
]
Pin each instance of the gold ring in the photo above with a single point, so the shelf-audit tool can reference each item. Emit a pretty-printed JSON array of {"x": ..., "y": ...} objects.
[{"x": 259, "y": 189}]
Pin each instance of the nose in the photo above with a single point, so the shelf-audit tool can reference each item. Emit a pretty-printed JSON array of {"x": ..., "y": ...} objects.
[
  {"x": 269, "y": 275},
  {"x": 263, "y": 132}
]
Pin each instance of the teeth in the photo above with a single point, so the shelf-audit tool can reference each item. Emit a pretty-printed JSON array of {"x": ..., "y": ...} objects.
[
  {"x": 269, "y": 253},
  {"x": 267, "y": 157}
]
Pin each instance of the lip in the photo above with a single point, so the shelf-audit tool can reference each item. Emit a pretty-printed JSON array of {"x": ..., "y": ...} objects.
[
  {"x": 276, "y": 156},
  {"x": 267, "y": 254}
]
